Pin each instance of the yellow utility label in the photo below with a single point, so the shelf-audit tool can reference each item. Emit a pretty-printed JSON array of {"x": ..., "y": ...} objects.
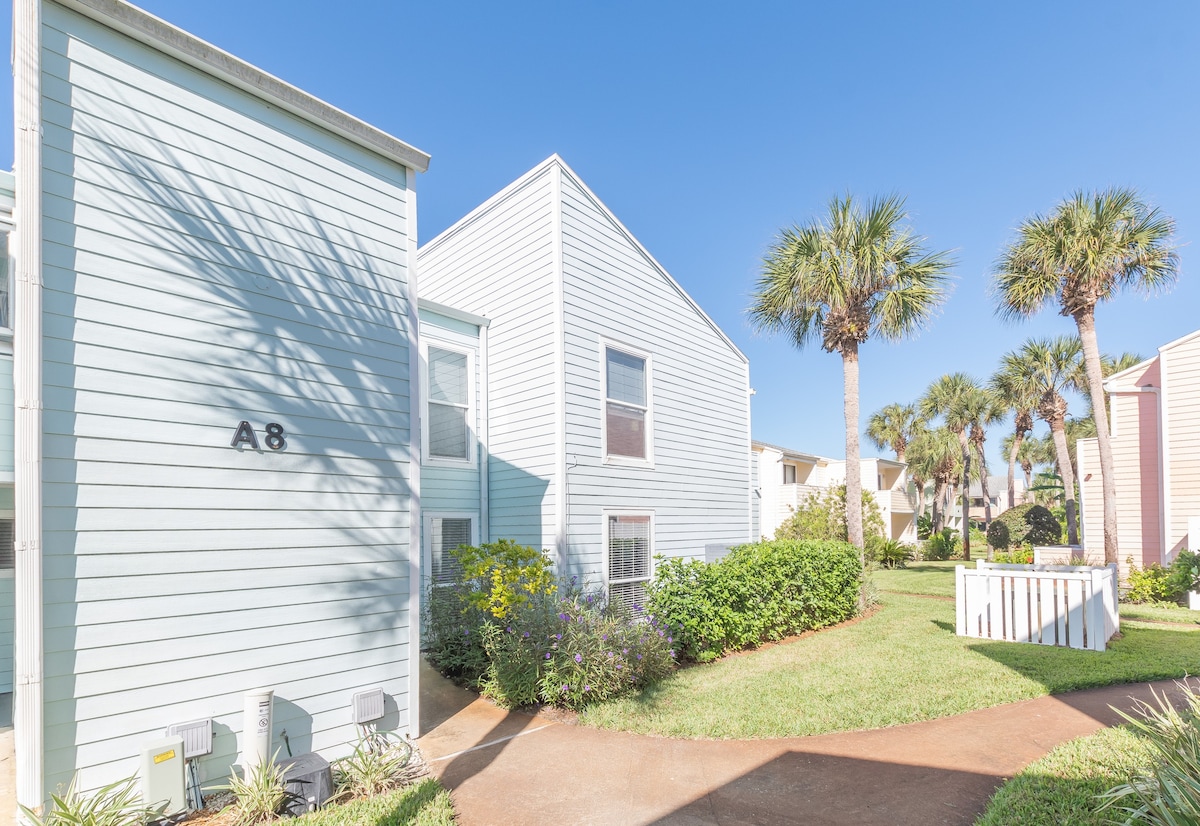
[{"x": 165, "y": 756}]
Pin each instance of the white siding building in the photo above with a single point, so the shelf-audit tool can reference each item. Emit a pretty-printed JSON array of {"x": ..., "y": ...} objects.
[
  {"x": 217, "y": 484},
  {"x": 618, "y": 424}
]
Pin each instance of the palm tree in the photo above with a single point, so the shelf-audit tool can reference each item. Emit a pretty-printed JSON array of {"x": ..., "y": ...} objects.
[
  {"x": 892, "y": 427},
  {"x": 1091, "y": 246},
  {"x": 962, "y": 404},
  {"x": 1047, "y": 368},
  {"x": 987, "y": 409},
  {"x": 1035, "y": 452},
  {"x": 856, "y": 275},
  {"x": 1014, "y": 393},
  {"x": 933, "y": 456}
]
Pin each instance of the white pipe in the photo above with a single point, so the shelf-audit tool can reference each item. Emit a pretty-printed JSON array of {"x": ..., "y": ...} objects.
[
  {"x": 416, "y": 551},
  {"x": 27, "y": 388},
  {"x": 258, "y": 717}
]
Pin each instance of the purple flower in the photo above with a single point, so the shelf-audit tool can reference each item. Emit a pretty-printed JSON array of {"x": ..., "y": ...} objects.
[
  {"x": 587, "y": 688},
  {"x": 604, "y": 637},
  {"x": 578, "y": 658},
  {"x": 639, "y": 656},
  {"x": 618, "y": 666},
  {"x": 558, "y": 636},
  {"x": 547, "y": 655},
  {"x": 610, "y": 655},
  {"x": 509, "y": 629},
  {"x": 669, "y": 639},
  {"x": 565, "y": 687},
  {"x": 672, "y": 653},
  {"x": 660, "y": 633},
  {"x": 526, "y": 635},
  {"x": 564, "y": 617}
]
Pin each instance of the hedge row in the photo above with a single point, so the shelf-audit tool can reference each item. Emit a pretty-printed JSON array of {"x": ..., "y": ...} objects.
[{"x": 758, "y": 593}]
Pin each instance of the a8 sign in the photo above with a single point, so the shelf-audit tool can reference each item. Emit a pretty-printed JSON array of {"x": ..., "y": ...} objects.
[{"x": 244, "y": 435}]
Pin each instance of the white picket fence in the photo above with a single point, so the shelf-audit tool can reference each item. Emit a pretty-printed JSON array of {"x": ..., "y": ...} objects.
[{"x": 1046, "y": 604}]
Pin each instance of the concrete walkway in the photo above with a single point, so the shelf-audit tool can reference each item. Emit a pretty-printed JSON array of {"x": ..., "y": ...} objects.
[{"x": 509, "y": 768}]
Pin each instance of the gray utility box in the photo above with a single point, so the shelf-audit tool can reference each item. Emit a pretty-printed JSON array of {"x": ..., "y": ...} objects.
[{"x": 308, "y": 777}]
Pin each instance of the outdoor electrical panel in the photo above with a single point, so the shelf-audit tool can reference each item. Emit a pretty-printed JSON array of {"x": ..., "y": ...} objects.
[{"x": 162, "y": 774}]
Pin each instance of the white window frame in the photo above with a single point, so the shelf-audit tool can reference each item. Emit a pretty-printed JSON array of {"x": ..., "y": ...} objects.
[
  {"x": 427, "y": 551},
  {"x": 448, "y": 461},
  {"x": 628, "y": 461},
  {"x": 6, "y": 228},
  {"x": 606, "y": 514},
  {"x": 795, "y": 473}
]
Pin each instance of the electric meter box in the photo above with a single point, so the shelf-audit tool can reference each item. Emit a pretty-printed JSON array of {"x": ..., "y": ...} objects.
[{"x": 162, "y": 774}]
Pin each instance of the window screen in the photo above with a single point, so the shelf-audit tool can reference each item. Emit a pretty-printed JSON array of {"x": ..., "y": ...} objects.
[
  {"x": 628, "y": 560},
  {"x": 625, "y": 408},
  {"x": 447, "y": 534},
  {"x": 449, "y": 401}
]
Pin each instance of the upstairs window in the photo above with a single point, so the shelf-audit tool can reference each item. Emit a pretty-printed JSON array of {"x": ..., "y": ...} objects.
[
  {"x": 447, "y": 423},
  {"x": 789, "y": 474},
  {"x": 627, "y": 410},
  {"x": 5, "y": 285},
  {"x": 629, "y": 540}
]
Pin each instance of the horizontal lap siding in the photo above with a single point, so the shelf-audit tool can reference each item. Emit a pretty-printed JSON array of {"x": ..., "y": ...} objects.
[
  {"x": 698, "y": 487},
  {"x": 209, "y": 259},
  {"x": 1181, "y": 368},
  {"x": 499, "y": 263}
]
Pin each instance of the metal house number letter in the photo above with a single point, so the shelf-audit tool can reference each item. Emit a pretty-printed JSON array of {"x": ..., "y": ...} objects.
[{"x": 244, "y": 435}]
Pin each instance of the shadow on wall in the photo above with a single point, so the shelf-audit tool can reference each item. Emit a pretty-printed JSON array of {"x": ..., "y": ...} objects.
[{"x": 181, "y": 571}]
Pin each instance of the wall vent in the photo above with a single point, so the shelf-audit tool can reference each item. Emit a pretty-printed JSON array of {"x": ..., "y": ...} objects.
[
  {"x": 367, "y": 705},
  {"x": 197, "y": 737}
]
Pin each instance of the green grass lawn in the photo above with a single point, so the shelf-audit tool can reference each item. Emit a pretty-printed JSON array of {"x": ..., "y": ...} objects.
[
  {"x": 424, "y": 803},
  {"x": 899, "y": 665},
  {"x": 1061, "y": 788}
]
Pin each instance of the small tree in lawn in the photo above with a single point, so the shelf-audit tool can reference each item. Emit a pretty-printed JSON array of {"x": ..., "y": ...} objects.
[{"x": 856, "y": 274}]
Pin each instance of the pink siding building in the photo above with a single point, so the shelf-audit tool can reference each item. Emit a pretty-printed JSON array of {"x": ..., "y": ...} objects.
[{"x": 1155, "y": 422}]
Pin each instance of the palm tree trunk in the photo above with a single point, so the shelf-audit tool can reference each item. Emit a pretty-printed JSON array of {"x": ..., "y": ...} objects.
[
  {"x": 983, "y": 485},
  {"x": 1028, "y": 471},
  {"x": 1018, "y": 438},
  {"x": 1086, "y": 322},
  {"x": 966, "y": 494},
  {"x": 1059, "y": 434},
  {"x": 938, "y": 493},
  {"x": 854, "y": 523}
]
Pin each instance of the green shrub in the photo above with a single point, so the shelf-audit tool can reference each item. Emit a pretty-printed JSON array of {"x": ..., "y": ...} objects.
[
  {"x": 1017, "y": 556},
  {"x": 757, "y": 593},
  {"x": 1025, "y": 524},
  {"x": 998, "y": 534},
  {"x": 494, "y": 580},
  {"x": 1168, "y": 795},
  {"x": 379, "y": 763},
  {"x": 942, "y": 545},
  {"x": 261, "y": 793},
  {"x": 1150, "y": 584},
  {"x": 1185, "y": 573},
  {"x": 117, "y": 804},
  {"x": 501, "y": 627},
  {"x": 821, "y": 517},
  {"x": 887, "y": 553},
  {"x": 572, "y": 651},
  {"x": 924, "y": 526}
]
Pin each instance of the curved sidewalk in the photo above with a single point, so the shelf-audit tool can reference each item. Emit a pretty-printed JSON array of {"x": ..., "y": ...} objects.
[{"x": 510, "y": 768}]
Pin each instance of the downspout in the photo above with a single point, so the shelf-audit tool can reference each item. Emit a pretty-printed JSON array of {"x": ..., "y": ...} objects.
[
  {"x": 484, "y": 435},
  {"x": 562, "y": 504},
  {"x": 28, "y": 664},
  {"x": 416, "y": 551}
]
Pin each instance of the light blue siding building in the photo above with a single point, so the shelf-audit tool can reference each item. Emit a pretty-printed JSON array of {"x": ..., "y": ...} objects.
[
  {"x": 215, "y": 337},
  {"x": 619, "y": 424}
]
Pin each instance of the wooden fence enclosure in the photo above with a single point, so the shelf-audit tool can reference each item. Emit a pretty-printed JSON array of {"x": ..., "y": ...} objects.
[{"x": 1072, "y": 606}]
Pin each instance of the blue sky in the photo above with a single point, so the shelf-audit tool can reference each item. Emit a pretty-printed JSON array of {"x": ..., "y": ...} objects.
[{"x": 706, "y": 127}]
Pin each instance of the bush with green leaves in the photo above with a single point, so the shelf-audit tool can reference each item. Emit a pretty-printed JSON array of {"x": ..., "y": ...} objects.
[
  {"x": 757, "y": 593},
  {"x": 1027, "y": 524},
  {"x": 117, "y": 804},
  {"x": 493, "y": 580},
  {"x": 1017, "y": 556},
  {"x": 1169, "y": 794},
  {"x": 507, "y": 629},
  {"x": 378, "y": 764},
  {"x": 822, "y": 517},
  {"x": 261, "y": 793},
  {"x": 887, "y": 553},
  {"x": 1150, "y": 584},
  {"x": 943, "y": 545},
  {"x": 1185, "y": 573},
  {"x": 924, "y": 526}
]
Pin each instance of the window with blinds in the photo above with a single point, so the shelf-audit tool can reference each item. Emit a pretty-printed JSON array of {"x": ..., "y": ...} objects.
[
  {"x": 446, "y": 534},
  {"x": 449, "y": 404},
  {"x": 629, "y": 555},
  {"x": 626, "y": 404}
]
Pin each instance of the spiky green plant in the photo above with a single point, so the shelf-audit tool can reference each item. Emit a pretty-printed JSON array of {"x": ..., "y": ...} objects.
[
  {"x": 1168, "y": 795},
  {"x": 117, "y": 804},
  {"x": 261, "y": 792},
  {"x": 379, "y": 763}
]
